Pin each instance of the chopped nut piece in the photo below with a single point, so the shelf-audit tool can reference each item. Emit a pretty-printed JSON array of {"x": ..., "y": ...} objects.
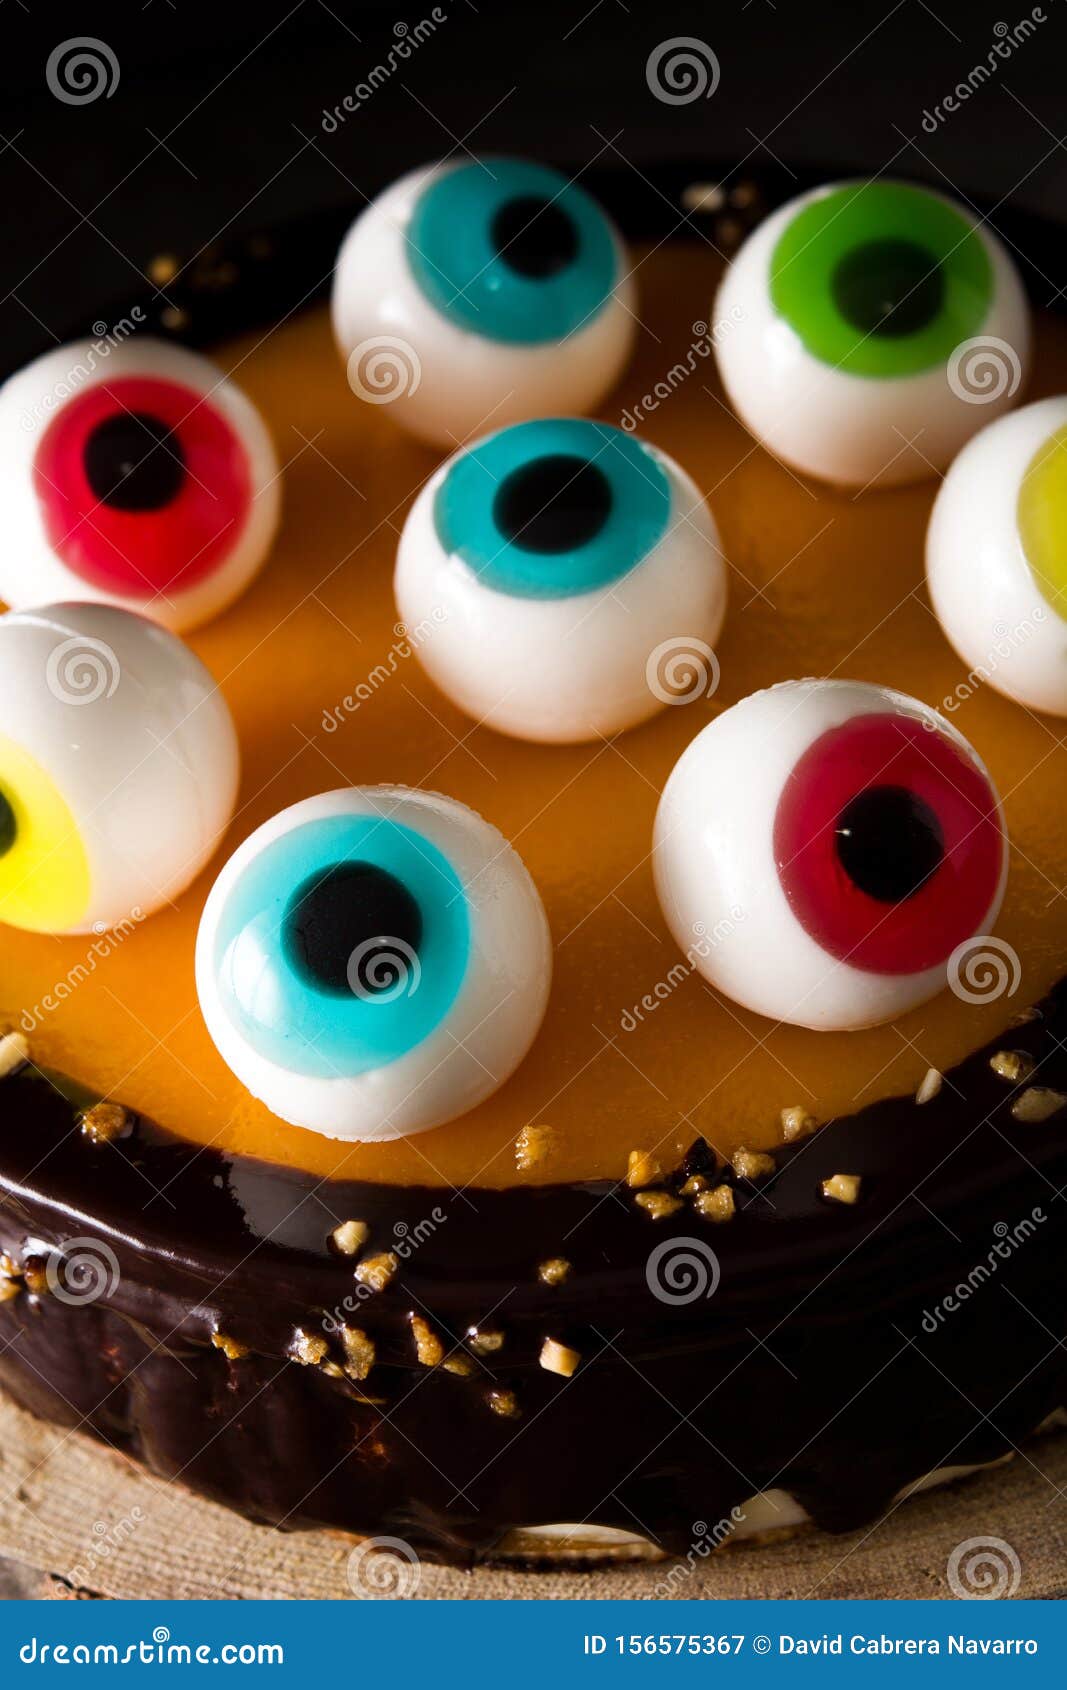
[
  {"x": 717, "y": 1205},
  {"x": 505, "y": 1403},
  {"x": 9, "y": 1288},
  {"x": 642, "y": 1169},
  {"x": 9, "y": 1267},
  {"x": 797, "y": 1123},
  {"x": 162, "y": 269},
  {"x": 460, "y": 1364},
  {"x": 14, "y": 1052},
  {"x": 752, "y": 1164},
  {"x": 694, "y": 1185},
  {"x": 658, "y": 1204},
  {"x": 1015, "y": 1066},
  {"x": 554, "y": 1271},
  {"x": 533, "y": 1145},
  {"x": 231, "y": 1349},
  {"x": 841, "y": 1188},
  {"x": 359, "y": 1352},
  {"x": 104, "y": 1122},
  {"x": 377, "y": 1271},
  {"x": 428, "y": 1346},
  {"x": 35, "y": 1277},
  {"x": 349, "y": 1238},
  {"x": 308, "y": 1348},
  {"x": 331, "y": 1370},
  {"x": 1036, "y": 1104},
  {"x": 929, "y": 1085},
  {"x": 1022, "y": 1017},
  {"x": 485, "y": 1343},
  {"x": 558, "y": 1358}
]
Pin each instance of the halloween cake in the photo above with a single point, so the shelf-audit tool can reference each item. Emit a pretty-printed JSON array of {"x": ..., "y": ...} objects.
[{"x": 599, "y": 1080}]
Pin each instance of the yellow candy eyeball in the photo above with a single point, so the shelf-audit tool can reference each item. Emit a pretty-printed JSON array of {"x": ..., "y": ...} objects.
[
  {"x": 996, "y": 556},
  {"x": 118, "y": 767}
]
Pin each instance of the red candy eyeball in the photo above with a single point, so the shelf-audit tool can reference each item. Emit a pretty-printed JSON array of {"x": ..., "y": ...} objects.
[
  {"x": 824, "y": 848},
  {"x": 137, "y": 475}
]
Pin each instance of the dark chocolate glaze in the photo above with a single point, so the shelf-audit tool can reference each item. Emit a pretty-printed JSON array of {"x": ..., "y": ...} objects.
[{"x": 825, "y": 1363}]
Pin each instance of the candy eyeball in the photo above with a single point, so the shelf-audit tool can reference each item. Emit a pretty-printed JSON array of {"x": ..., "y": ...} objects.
[
  {"x": 873, "y": 328},
  {"x": 482, "y": 292},
  {"x": 996, "y": 555},
  {"x": 136, "y": 475},
  {"x": 824, "y": 847},
  {"x": 373, "y": 962},
  {"x": 118, "y": 767},
  {"x": 554, "y": 572}
]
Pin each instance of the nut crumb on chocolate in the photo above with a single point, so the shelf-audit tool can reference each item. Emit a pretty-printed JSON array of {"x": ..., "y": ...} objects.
[
  {"x": 1023, "y": 1017},
  {"x": 842, "y": 1188},
  {"x": 554, "y": 1271},
  {"x": 460, "y": 1364},
  {"x": 930, "y": 1085},
  {"x": 377, "y": 1271},
  {"x": 658, "y": 1204},
  {"x": 429, "y": 1350},
  {"x": 9, "y": 1289},
  {"x": 1037, "y": 1104},
  {"x": 349, "y": 1238},
  {"x": 14, "y": 1053},
  {"x": 104, "y": 1122},
  {"x": 642, "y": 1168},
  {"x": 558, "y": 1358},
  {"x": 717, "y": 1205},
  {"x": 1015, "y": 1066},
  {"x": 308, "y": 1348},
  {"x": 752, "y": 1164},
  {"x": 533, "y": 1146},
  {"x": 231, "y": 1349},
  {"x": 359, "y": 1352},
  {"x": 797, "y": 1123},
  {"x": 485, "y": 1343},
  {"x": 504, "y": 1403},
  {"x": 695, "y": 1184}
]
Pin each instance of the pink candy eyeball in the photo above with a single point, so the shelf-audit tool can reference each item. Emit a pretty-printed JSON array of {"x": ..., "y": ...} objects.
[
  {"x": 136, "y": 475},
  {"x": 823, "y": 848}
]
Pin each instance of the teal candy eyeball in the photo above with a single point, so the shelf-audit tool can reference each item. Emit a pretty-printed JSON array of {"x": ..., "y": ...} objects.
[
  {"x": 373, "y": 962},
  {"x": 562, "y": 580},
  {"x": 867, "y": 329},
  {"x": 480, "y": 292}
]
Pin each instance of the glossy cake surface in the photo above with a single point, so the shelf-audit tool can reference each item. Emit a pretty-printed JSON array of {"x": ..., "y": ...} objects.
[{"x": 635, "y": 1050}]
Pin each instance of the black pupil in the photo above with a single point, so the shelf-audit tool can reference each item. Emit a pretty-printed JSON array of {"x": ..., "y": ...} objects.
[
  {"x": 889, "y": 842},
  {"x": 552, "y": 504},
  {"x": 133, "y": 462},
  {"x": 7, "y": 826},
  {"x": 534, "y": 237},
  {"x": 888, "y": 288},
  {"x": 334, "y": 914}
]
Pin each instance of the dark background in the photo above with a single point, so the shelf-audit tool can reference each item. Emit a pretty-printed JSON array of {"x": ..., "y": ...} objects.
[{"x": 211, "y": 149}]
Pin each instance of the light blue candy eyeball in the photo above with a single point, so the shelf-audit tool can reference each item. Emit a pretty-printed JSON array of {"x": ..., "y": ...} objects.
[
  {"x": 482, "y": 292},
  {"x": 565, "y": 580},
  {"x": 373, "y": 962}
]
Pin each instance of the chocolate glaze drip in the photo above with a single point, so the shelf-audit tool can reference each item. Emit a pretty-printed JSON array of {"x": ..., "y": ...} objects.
[{"x": 866, "y": 1376}]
